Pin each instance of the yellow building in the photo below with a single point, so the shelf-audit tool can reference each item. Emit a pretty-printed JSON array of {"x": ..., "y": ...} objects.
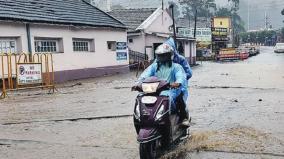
[{"x": 222, "y": 22}]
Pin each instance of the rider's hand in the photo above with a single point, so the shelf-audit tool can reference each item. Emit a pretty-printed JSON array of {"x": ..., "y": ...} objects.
[
  {"x": 134, "y": 88},
  {"x": 175, "y": 85}
]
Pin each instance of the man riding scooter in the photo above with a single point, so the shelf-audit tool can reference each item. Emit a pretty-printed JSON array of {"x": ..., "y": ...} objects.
[{"x": 165, "y": 69}]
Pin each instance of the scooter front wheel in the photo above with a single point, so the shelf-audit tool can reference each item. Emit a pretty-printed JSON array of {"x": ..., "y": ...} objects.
[{"x": 148, "y": 150}]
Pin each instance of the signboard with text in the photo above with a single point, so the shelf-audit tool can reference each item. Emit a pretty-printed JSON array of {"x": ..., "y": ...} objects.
[
  {"x": 203, "y": 35},
  {"x": 220, "y": 31},
  {"x": 121, "y": 51},
  {"x": 29, "y": 73}
]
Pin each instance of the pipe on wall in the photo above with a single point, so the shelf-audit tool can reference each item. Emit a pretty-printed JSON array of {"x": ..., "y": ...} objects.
[{"x": 28, "y": 30}]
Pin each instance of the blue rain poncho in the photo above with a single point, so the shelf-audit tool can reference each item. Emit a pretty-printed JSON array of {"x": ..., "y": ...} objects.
[
  {"x": 185, "y": 65},
  {"x": 172, "y": 74},
  {"x": 180, "y": 59}
]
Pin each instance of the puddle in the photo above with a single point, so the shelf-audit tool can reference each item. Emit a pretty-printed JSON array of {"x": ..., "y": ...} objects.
[{"x": 239, "y": 140}]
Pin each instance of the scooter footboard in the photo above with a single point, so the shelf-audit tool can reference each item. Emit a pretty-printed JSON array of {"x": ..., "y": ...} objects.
[{"x": 148, "y": 134}]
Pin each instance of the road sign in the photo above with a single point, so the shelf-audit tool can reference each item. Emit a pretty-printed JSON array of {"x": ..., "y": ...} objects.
[{"x": 29, "y": 73}]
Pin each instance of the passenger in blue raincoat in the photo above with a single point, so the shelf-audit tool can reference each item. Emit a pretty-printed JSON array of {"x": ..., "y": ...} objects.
[
  {"x": 180, "y": 59},
  {"x": 164, "y": 68},
  {"x": 184, "y": 63}
]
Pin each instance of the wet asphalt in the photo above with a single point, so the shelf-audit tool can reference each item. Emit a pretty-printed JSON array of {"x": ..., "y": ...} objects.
[{"x": 237, "y": 111}]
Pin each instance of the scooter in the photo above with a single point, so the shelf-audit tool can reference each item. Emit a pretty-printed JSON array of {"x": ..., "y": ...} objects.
[{"x": 156, "y": 125}]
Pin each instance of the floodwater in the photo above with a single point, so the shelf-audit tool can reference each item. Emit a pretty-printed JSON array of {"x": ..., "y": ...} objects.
[{"x": 236, "y": 107}]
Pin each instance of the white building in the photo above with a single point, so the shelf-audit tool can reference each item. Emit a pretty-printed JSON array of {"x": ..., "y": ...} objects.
[
  {"x": 81, "y": 37},
  {"x": 150, "y": 27}
]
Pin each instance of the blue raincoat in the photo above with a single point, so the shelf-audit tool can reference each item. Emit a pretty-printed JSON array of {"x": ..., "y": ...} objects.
[
  {"x": 172, "y": 74},
  {"x": 184, "y": 63},
  {"x": 180, "y": 59}
]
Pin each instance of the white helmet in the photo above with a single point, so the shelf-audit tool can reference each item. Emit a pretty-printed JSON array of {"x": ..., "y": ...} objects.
[
  {"x": 163, "y": 49},
  {"x": 164, "y": 53}
]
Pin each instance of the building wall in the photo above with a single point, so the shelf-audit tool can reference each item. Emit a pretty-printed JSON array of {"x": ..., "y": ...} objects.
[
  {"x": 68, "y": 59},
  {"x": 221, "y": 22},
  {"x": 161, "y": 24},
  {"x": 138, "y": 43},
  {"x": 190, "y": 51},
  {"x": 17, "y": 31}
]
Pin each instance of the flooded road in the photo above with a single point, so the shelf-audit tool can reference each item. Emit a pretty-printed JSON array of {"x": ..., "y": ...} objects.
[{"x": 236, "y": 107}]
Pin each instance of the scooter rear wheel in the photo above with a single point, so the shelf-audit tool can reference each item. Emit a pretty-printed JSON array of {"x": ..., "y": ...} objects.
[{"x": 148, "y": 150}]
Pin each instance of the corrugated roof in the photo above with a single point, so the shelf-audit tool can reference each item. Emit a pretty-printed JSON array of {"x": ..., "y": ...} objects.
[
  {"x": 132, "y": 18},
  {"x": 69, "y": 12}
]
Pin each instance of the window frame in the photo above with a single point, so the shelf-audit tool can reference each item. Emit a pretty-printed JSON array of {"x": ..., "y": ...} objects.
[
  {"x": 48, "y": 45},
  {"x": 130, "y": 40},
  {"x": 9, "y": 48},
  {"x": 90, "y": 44},
  {"x": 113, "y": 47}
]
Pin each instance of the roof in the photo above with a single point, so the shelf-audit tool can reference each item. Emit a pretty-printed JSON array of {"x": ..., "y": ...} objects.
[
  {"x": 201, "y": 22},
  {"x": 132, "y": 18},
  {"x": 71, "y": 12}
]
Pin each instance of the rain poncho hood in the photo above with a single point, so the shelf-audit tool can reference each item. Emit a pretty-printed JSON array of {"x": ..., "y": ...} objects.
[{"x": 180, "y": 59}]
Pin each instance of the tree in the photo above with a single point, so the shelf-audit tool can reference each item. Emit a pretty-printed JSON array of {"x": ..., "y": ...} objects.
[
  {"x": 282, "y": 33},
  {"x": 282, "y": 12},
  {"x": 204, "y": 7},
  {"x": 235, "y": 5},
  {"x": 176, "y": 8},
  {"x": 257, "y": 37}
]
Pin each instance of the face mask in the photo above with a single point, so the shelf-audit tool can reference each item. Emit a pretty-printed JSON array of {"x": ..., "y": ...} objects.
[{"x": 163, "y": 58}]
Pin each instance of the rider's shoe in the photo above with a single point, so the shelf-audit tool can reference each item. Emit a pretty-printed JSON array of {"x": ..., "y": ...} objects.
[
  {"x": 189, "y": 118},
  {"x": 185, "y": 122}
]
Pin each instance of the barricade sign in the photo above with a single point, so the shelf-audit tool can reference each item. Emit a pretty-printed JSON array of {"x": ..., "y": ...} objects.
[
  {"x": 29, "y": 73},
  {"x": 19, "y": 72}
]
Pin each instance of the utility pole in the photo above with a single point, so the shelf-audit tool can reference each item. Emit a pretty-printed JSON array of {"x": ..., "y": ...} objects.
[
  {"x": 174, "y": 24},
  {"x": 195, "y": 21},
  {"x": 248, "y": 15},
  {"x": 266, "y": 23}
]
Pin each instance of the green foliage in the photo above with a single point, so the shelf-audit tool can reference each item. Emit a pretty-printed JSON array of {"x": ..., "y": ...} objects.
[
  {"x": 235, "y": 6},
  {"x": 257, "y": 37},
  {"x": 237, "y": 22},
  {"x": 282, "y": 32},
  {"x": 203, "y": 7},
  {"x": 176, "y": 8}
]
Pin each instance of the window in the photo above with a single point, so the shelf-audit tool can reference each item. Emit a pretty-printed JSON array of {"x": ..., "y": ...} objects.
[
  {"x": 83, "y": 45},
  {"x": 7, "y": 46},
  {"x": 130, "y": 40},
  {"x": 111, "y": 45},
  {"x": 80, "y": 46},
  {"x": 46, "y": 46},
  {"x": 221, "y": 23}
]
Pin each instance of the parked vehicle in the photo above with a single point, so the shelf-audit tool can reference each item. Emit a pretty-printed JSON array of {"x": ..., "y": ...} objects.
[
  {"x": 156, "y": 125},
  {"x": 228, "y": 54},
  {"x": 279, "y": 48},
  {"x": 252, "y": 50}
]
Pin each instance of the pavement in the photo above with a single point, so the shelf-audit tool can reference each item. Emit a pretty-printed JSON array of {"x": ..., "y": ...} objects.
[{"x": 236, "y": 107}]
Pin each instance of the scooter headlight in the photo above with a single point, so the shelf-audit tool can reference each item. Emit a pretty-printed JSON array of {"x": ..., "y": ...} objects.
[
  {"x": 148, "y": 99},
  {"x": 137, "y": 112},
  {"x": 160, "y": 112}
]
